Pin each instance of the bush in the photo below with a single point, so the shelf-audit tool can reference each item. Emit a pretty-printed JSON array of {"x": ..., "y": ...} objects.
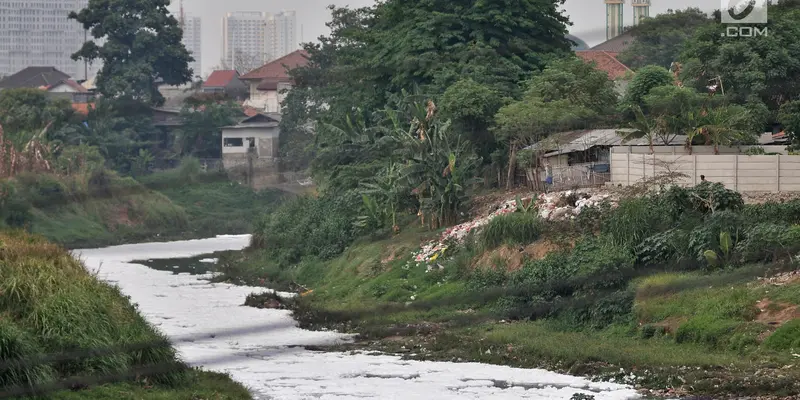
[
  {"x": 15, "y": 210},
  {"x": 710, "y": 197},
  {"x": 514, "y": 228},
  {"x": 769, "y": 242},
  {"x": 633, "y": 221},
  {"x": 307, "y": 226},
  {"x": 706, "y": 330},
  {"x": 662, "y": 247},
  {"x": 777, "y": 213}
]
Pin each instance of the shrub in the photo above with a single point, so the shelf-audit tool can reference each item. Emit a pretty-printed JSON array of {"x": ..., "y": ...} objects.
[
  {"x": 710, "y": 197},
  {"x": 769, "y": 242},
  {"x": 633, "y": 221},
  {"x": 307, "y": 226},
  {"x": 777, "y": 213},
  {"x": 15, "y": 210},
  {"x": 513, "y": 228},
  {"x": 787, "y": 337},
  {"x": 662, "y": 247},
  {"x": 706, "y": 236}
]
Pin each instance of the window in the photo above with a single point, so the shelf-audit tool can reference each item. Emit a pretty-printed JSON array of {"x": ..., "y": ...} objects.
[{"x": 233, "y": 142}]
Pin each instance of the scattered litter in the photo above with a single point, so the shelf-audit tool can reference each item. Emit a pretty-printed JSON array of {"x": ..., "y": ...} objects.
[{"x": 209, "y": 260}]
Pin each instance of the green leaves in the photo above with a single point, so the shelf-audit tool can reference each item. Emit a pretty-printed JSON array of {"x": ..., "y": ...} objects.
[{"x": 142, "y": 45}]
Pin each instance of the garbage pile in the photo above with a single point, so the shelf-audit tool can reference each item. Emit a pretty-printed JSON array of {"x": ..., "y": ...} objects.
[
  {"x": 560, "y": 206},
  {"x": 456, "y": 234},
  {"x": 550, "y": 206}
]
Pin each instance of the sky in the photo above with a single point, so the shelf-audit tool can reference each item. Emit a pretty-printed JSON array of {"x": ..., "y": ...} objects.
[{"x": 587, "y": 16}]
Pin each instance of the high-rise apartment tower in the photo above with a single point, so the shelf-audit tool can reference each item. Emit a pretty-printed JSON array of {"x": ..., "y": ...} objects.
[
  {"x": 38, "y": 33},
  {"x": 192, "y": 39}
]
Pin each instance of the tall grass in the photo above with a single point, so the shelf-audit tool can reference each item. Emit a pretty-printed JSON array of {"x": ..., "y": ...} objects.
[
  {"x": 51, "y": 304},
  {"x": 513, "y": 228}
]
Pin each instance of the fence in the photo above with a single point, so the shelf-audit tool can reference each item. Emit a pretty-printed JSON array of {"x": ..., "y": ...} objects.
[
  {"x": 745, "y": 173},
  {"x": 570, "y": 177}
]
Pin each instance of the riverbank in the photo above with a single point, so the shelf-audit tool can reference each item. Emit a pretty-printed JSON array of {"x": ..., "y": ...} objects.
[
  {"x": 51, "y": 303},
  {"x": 565, "y": 297},
  {"x": 266, "y": 351},
  {"x": 105, "y": 209}
]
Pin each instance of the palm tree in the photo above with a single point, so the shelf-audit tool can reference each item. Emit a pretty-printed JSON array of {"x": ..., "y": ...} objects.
[
  {"x": 643, "y": 127},
  {"x": 722, "y": 126}
]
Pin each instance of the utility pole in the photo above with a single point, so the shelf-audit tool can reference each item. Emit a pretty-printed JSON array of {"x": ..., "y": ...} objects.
[
  {"x": 85, "y": 62},
  {"x": 182, "y": 19}
]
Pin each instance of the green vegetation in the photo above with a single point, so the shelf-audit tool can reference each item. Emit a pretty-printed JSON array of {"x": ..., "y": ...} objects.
[
  {"x": 638, "y": 293},
  {"x": 42, "y": 315}
]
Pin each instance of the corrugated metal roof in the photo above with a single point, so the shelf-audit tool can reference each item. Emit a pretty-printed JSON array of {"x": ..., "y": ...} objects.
[{"x": 576, "y": 141}]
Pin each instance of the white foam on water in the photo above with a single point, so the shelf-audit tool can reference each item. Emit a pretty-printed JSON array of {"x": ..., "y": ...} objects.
[{"x": 211, "y": 328}]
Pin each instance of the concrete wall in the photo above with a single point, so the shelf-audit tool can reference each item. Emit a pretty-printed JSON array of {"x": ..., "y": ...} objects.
[
  {"x": 776, "y": 173},
  {"x": 266, "y": 141},
  {"x": 263, "y": 172},
  {"x": 680, "y": 150}
]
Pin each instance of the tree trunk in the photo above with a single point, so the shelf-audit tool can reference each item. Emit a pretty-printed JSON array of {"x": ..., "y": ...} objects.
[{"x": 512, "y": 162}]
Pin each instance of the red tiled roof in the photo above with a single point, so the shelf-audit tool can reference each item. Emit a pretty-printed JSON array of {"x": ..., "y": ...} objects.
[
  {"x": 69, "y": 82},
  {"x": 278, "y": 69},
  {"x": 605, "y": 61},
  {"x": 250, "y": 111},
  {"x": 82, "y": 108},
  {"x": 220, "y": 78}
]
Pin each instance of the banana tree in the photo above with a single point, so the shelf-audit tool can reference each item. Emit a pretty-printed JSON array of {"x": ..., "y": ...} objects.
[
  {"x": 385, "y": 192},
  {"x": 439, "y": 166}
]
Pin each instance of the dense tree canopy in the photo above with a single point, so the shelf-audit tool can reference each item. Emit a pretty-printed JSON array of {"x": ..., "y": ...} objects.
[
  {"x": 142, "y": 46},
  {"x": 659, "y": 40},
  {"x": 751, "y": 69}
]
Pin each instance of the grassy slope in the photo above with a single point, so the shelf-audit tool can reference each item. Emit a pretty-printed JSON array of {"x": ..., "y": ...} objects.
[
  {"x": 51, "y": 304},
  {"x": 162, "y": 206},
  {"x": 686, "y": 325}
]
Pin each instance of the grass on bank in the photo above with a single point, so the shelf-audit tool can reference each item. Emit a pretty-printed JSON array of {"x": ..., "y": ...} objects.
[
  {"x": 102, "y": 208},
  {"x": 50, "y": 304},
  {"x": 627, "y": 288}
]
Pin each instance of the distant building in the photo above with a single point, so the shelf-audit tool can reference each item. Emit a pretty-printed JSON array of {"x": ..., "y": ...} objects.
[
  {"x": 57, "y": 84},
  {"x": 617, "y": 44},
  {"x": 267, "y": 83},
  {"x": 250, "y": 150},
  {"x": 579, "y": 44},
  {"x": 641, "y": 10},
  {"x": 607, "y": 62},
  {"x": 244, "y": 35},
  {"x": 34, "y": 33},
  {"x": 614, "y": 18},
  {"x": 228, "y": 82},
  {"x": 281, "y": 34},
  {"x": 192, "y": 39}
]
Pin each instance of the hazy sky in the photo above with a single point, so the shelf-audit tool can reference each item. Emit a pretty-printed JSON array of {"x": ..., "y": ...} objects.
[{"x": 587, "y": 16}]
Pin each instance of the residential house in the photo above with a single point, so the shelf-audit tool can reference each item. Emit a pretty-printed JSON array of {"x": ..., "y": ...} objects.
[
  {"x": 616, "y": 44},
  {"x": 607, "y": 62},
  {"x": 227, "y": 82},
  {"x": 250, "y": 150},
  {"x": 269, "y": 82},
  {"x": 57, "y": 84}
]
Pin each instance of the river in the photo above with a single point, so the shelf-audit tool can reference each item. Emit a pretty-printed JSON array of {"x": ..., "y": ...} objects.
[{"x": 263, "y": 349}]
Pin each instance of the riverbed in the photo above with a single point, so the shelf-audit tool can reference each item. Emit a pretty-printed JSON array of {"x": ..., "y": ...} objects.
[{"x": 264, "y": 349}]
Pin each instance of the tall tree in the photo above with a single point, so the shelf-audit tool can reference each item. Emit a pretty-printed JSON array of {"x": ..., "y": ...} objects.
[
  {"x": 761, "y": 67},
  {"x": 142, "y": 47},
  {"x": 659, "y": 40}
]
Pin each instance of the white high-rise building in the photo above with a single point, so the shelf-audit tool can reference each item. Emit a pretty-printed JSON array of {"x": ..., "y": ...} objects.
[
  {"x": 281, "y": 34},
  {"x": 192, "y": 33},
  {"x": 243, "y": 35},
  {"x": 38, "y": 33}
]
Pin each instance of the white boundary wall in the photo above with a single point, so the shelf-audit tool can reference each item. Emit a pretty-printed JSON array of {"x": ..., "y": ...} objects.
[{"x": 774, "y": 173}]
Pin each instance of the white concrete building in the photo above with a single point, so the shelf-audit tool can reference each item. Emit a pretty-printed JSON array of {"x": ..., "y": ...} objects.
[
  {"x": 192, "y": 39},
  {"x": 244, "y": 33},
  {"x": 38, "y": 33},
  {"x": 281, "y": 34}
]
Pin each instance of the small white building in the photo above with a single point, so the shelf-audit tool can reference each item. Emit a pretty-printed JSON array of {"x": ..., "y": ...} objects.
[{"x": 250, "y": 149}]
